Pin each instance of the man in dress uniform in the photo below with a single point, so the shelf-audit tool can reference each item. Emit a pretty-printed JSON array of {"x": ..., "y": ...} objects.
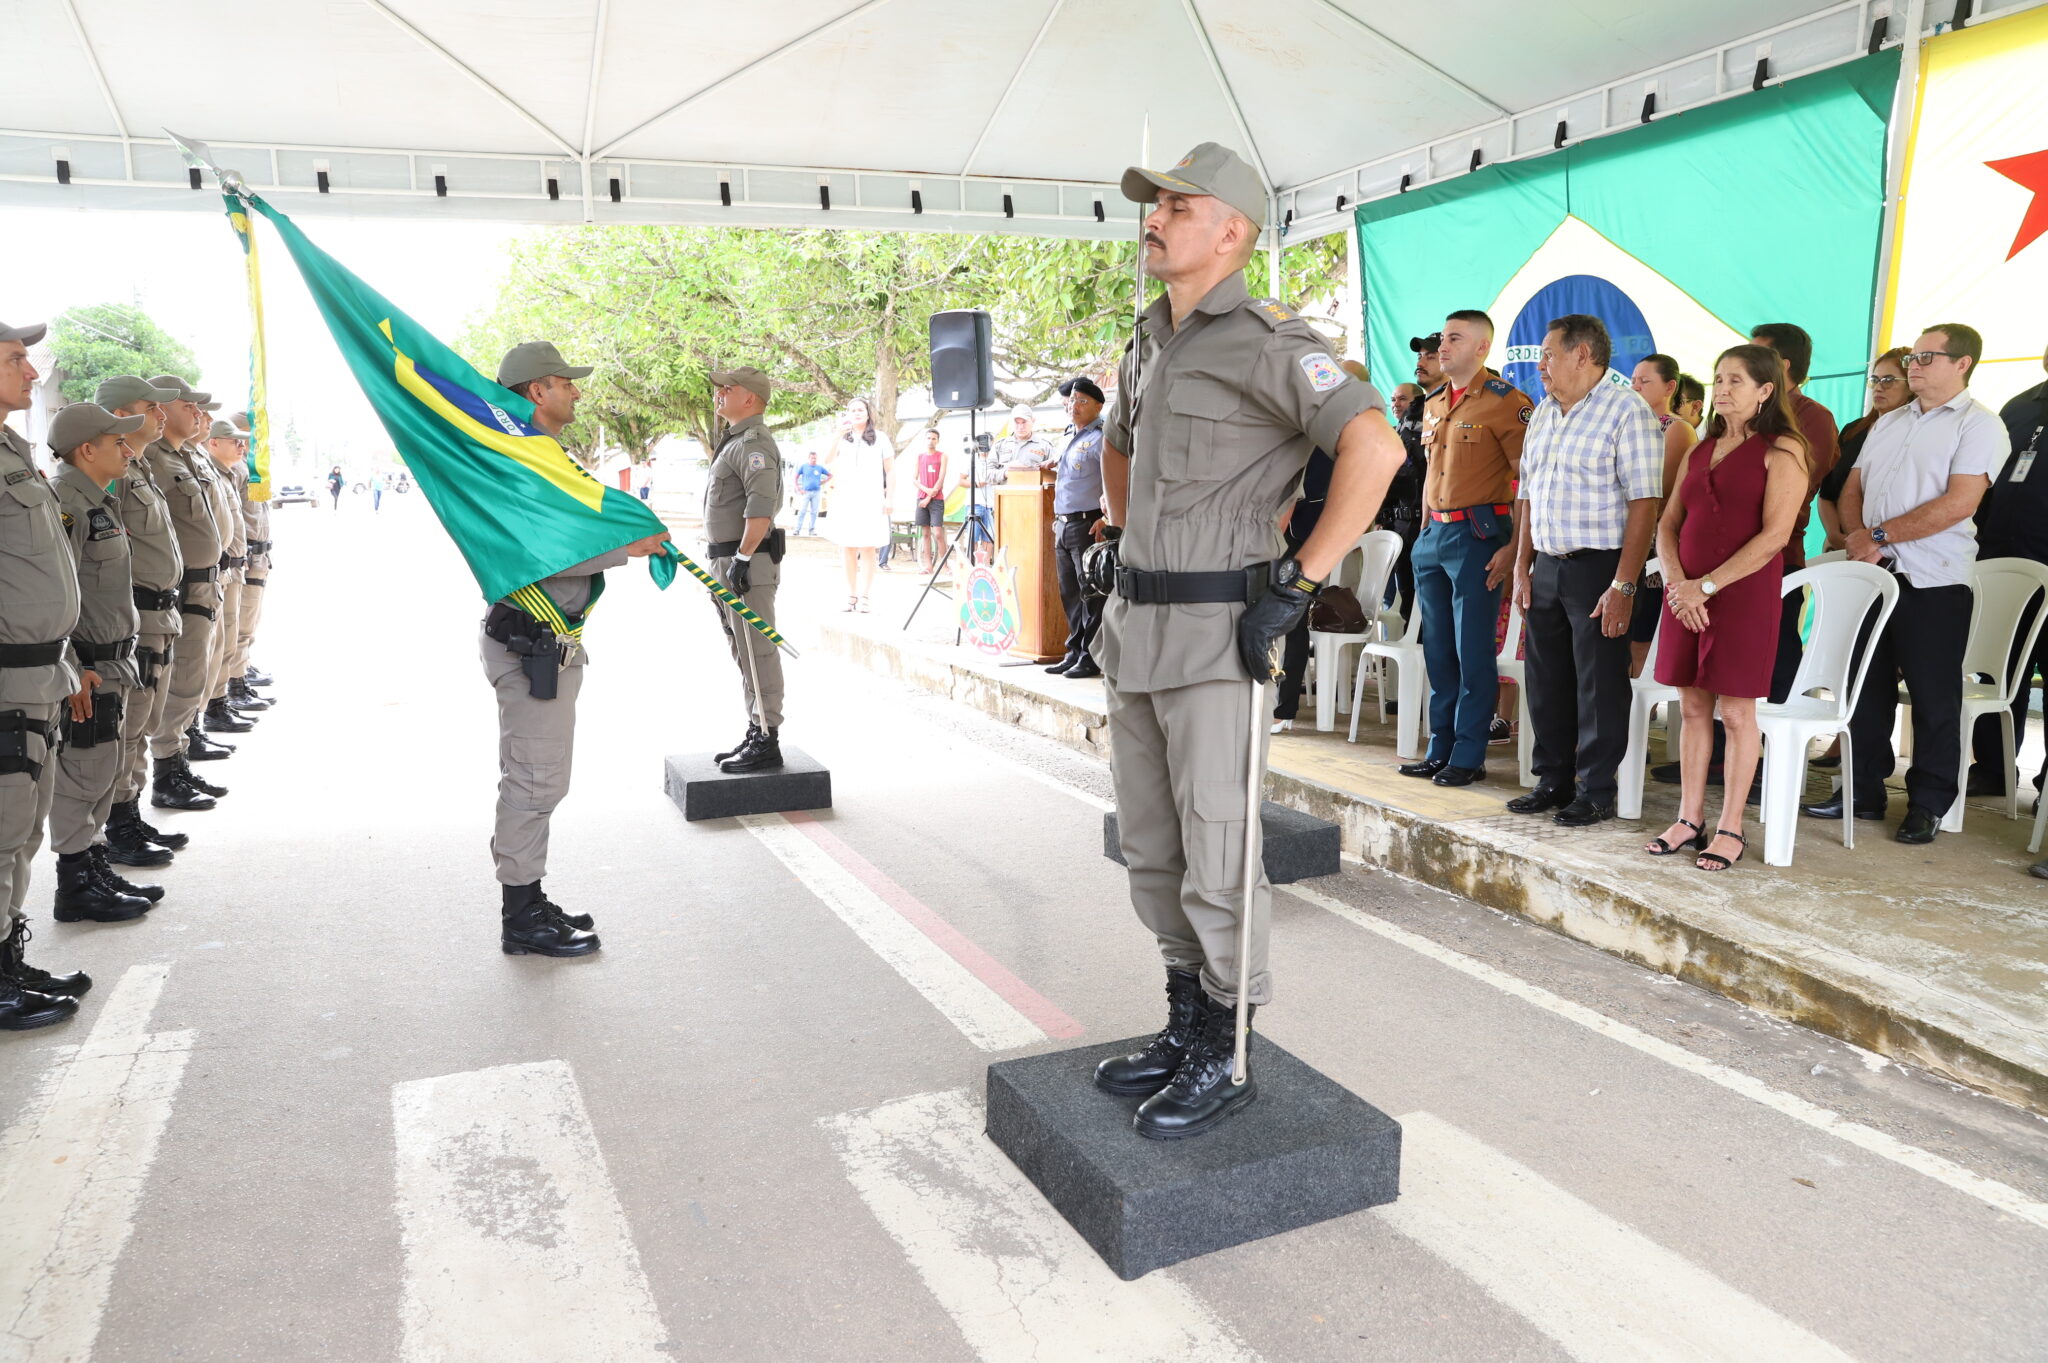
[
  {"x": 156, "y": 568},
  {"x": 38, "y": 611},
  {"x": 1077, "y": 523},
  {"x": 177, "y": 469},
  {"x": 1472, "y": 432},
  {"x": 91, "y": 447},
  {"x": 742, "y": 493},
  {"x": 1218, "y": 404},
  {"x": 243, "y": 678},
  {"x": 225, "y": 447},
  {"x": 536, "y": 669}
]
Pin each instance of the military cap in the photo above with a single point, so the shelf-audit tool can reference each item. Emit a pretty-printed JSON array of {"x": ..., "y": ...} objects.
[
  {"x": 1022, "y": 412},
  {"x": 1209, "y": 169},
  {"x": 83, "y": 421},
  {"x": 1083, "y": 385},
  {"x": 126, "y": 388},
  {"x": 186, "y": 392},
  {"x": 27, "y": 335},
  {"x": 538, "y": 360},
  {"x": 1423, "y": 345},
  {"x": 747, "y": 377},
  {"x": 225, "y": 430}
]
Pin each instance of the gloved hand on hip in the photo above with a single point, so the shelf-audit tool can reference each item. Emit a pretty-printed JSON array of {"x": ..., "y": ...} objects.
[
  {"x": 736, "y": 575},
  {"x": 1264, "y": 624}
]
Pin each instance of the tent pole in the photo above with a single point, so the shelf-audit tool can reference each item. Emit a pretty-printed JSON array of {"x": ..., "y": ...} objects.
[
  {"x": 1903, "y": 104},
  {"x": 1273, "y": 246}
]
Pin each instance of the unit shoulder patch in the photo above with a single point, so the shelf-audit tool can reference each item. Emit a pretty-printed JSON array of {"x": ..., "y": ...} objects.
[
  {"x": 1499, "y": 387},
  {"x": 1526, "y": 412},
  {"x": 1322, "y": 372},
  {"x": 756, "y": 461}
]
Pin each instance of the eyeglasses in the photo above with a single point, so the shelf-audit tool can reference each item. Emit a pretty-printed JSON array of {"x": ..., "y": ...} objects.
[
  {"x": 1923, "y": 358},
  {"x": 1884, "y": 380}
]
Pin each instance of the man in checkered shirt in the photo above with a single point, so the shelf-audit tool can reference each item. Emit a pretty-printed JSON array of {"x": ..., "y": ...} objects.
[{"x": 1592, "y": 472}]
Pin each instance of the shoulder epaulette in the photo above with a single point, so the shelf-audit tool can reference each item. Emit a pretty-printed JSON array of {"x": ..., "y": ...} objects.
[
  {"x": 1499, "y": 387},
  {"x": 1272, "y": 311}
]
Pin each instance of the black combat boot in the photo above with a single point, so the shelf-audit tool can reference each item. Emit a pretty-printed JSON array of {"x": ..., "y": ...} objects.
[
  {"x": 753, "y": 732},
  {"x": 200, "y": 748},
  {"x": 242, "y": 696},
  {"x": 762, "y": 753},
  {"x": 14, "y": 967},
  {"x": 222, "y": 720},
  {"x": 254, "y": 677},
  {"x": 128, "y": 840},
  {"x": 103, "y": 872},
  {"x": 1201, "y": 1093},
  {"x": 23, "y": 1009},
  {"x": 531, "y": 923},
  {"x": 171, "y": 787},
  {"x": 1147, "y": 1072},
  {"x": 201, "y": 784},
  {"x": 129, "y": 812},
  {"x": 82, "y": 898}
]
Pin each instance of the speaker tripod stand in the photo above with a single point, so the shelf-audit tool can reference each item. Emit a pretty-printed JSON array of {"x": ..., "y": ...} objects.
[{"x": 967, "y": 527}]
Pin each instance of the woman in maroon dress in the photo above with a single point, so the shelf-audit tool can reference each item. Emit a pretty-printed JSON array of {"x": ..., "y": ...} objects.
[{"x": 1721, "y": 537}]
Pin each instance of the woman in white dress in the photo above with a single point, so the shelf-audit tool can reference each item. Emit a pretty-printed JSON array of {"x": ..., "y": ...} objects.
[{"x": 859, "y": 522}]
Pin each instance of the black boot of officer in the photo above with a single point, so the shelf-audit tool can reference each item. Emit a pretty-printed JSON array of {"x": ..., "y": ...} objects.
[
  {"x": 103, "y": 872},
  {"x": 1148, "y": 1071},
  {"x": 753, "y": 732},
  {"x": 242, "y": 696},
  {"x": 171, "y": 786},
  {"x": 15, "y": 967},
  {"x": 222, "y": 720},
  {"x": 532, "y": 924},
  {"x": 22, "y": 1009},
  {"x": 200, "y": 748},
  {"x": 763, "y": 752},
  {"x": 251, "y": 675},
  {"x": 1201, "y": 1093},
  {"x": 81, "y": 897},
  {"x": 130, "y": 836}
]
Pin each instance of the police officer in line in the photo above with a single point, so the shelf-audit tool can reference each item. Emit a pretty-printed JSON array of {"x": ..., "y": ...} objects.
[
  {"x": 91, "y": 445},
  {"x": 38, "y": 611},
  {"x": 1077, "y": 523},
  {"x": 243, "y": 678},
  {"x": 225, "y": 448},
  {"x": 175, "y": 468},
  {"x": 534, "y": 662},
  {"x": 1218, "y": 403},
  {"x": 1022, "y": 448},
  {"x": 742, "y": 493},
  {"x": 1472, "y": 430},
  {"x": 157, "y": 568}
]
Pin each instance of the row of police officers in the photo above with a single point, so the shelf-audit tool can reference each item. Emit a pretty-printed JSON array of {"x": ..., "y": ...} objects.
[{"x": 131, "y": 584}]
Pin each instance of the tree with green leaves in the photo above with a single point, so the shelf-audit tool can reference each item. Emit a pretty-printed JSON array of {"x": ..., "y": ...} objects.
[{"x": 96, "y": 343}]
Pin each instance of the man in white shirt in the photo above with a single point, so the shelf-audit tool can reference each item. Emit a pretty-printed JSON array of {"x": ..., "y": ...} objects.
[{"x": 1909, "y": 506}]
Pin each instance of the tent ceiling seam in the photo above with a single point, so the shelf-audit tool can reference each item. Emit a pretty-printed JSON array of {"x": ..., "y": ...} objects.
[
  {"x": 1015, "y": 78},
  {"x": 99, "y": 74},
  {"x": 401, "y": 23},
  {"x": 1223, "y": 83},
  {"x": 1419, "y": 62}
]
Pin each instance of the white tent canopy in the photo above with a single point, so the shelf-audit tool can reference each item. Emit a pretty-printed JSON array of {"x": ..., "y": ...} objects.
[{"x": 686, "y": 111}]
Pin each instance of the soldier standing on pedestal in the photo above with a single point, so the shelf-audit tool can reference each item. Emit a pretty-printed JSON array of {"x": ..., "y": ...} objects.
[{"x": 742, "y": 493}]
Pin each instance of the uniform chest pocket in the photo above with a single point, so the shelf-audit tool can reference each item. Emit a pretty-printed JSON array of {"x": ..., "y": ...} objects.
[
  {"x": 100, "y": 551},
  {"x": 154, "y": 517},
  {"x": 27, "y": 516},
  {"x": 1196, "y": 449}
]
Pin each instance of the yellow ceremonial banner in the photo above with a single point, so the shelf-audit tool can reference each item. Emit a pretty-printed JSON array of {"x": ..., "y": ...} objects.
[{"x": 1972, "y": 236}]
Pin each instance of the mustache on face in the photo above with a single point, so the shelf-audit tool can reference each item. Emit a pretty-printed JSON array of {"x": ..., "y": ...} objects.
[{"x": 1152, "y": 239}]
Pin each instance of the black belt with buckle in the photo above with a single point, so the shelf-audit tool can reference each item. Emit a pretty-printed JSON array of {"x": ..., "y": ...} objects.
[
  {"x": 90, "y": 653},
  {"x": 259, "y": 546},
  {"x": 1244, "y": 586},
  {"x": 1065, "y": 516},
  {"x": 150, "y": 599},
  {"x": 31, "y": 655},
  {"x": 197, "y": 575}
]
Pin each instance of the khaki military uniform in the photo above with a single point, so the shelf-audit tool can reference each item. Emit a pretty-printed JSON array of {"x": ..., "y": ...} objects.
[
  {"x": 1012, "y": 453},
  {"x": 537, "y": 738},
  {"x": 745, "y": 482},
  {"x": 226, "y": 491},
  {"x": 38, "y": 605},
  {"x": 91, "y": 763},
  {"x": 1232, "y": 404},
  {"x": 157, "y": 566},
  {"x": 256, "y": 523},
  {"x": 180, "y": 473}
]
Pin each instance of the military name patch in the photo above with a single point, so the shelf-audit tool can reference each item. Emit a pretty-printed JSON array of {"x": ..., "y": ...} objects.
[
  {"x": 1322, "y": 371},
  {"x": 757, "y": 461},
  {"x": 18, "y": 475}
]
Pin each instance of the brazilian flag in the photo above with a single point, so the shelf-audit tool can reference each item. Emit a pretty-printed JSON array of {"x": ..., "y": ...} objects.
[{"x": 516, "y": 505}]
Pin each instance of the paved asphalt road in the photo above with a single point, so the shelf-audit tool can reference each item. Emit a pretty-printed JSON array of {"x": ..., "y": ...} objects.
[{"x": 311, "y": 1113}]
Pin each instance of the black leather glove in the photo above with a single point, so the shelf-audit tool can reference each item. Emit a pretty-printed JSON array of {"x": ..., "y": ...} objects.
[
  {"x": 1264, "y": 624},
  {"x": 736, "y": 575}
]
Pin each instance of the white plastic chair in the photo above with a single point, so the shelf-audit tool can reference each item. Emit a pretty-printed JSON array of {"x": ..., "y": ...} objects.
[
  {"x": 1412, "y": 680},
  {"x": 1365, "y": 570},
  {"x": 1843, "y": 596},
  {"x": 2003, "y": 588},
  {"x": 1509, "y": 668},
  {"x": 1645, "y": 694}
]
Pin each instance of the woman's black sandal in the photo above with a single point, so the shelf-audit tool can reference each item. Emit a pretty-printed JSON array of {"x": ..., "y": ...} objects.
[
  {"x": 1721, "y": 863},
  {"x": 1660, "y": 848}
]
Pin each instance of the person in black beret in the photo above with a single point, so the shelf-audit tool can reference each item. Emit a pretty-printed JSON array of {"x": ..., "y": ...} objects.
[{"x": 1077, "y": 522}]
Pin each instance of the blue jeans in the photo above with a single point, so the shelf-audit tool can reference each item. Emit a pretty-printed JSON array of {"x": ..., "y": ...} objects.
[
  {"x": 1459, "y": 613},
  {"x": 807, "y": 512}
]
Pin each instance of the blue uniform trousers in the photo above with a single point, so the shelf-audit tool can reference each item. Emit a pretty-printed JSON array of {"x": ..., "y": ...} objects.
[{"x": 1459, "y": 613}]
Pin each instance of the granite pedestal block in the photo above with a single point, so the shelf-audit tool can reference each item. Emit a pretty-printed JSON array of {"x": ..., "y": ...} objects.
[
  {"x": 1304, "y": 1151},
  {"x": 702, "y": 791},
  {"x": 1298, "y": 846}
]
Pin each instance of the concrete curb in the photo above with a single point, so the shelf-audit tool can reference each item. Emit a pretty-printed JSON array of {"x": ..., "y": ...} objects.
[{"x": 1506, "y": 872}]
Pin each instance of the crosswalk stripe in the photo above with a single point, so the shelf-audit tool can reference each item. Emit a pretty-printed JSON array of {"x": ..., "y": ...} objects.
[
  {"x": 1604, "y": 1292},
  {"x": 1017, "y": 1280},
  {"x": 72, "y": 1169},
  {"x": 516, "y": 1247},
  {"x": 973, "y": 992}
]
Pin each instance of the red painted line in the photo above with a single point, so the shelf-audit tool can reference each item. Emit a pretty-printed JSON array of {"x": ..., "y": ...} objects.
[{"x": 949, "y": 939}]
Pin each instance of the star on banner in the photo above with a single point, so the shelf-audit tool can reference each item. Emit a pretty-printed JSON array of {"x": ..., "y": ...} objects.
[{"x": 2029, "y": 172}]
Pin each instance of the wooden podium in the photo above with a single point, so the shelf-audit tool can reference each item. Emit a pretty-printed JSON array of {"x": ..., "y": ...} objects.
[{"x": 1024, "y": 531}]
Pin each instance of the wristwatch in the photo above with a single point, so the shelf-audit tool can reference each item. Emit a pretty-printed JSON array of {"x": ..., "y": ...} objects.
[
  {"x": 1289, "y": 574},
  {"x": 1707, "y": 587},
  {"x": 1625, "y": 588},
  {"x": 1878, "y": 535}
]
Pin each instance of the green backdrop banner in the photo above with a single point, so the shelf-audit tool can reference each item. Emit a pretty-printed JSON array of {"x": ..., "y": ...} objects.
[{"x": 1681, "y": 235}]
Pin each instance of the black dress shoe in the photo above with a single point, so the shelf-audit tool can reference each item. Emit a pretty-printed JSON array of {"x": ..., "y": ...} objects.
[
  {"x": 1083, "y": 670},
  {"x": 1458, "y": 776},
  {"x": 1984, "y": 782},
  {"x": 1063, "y": 666},
  {"x": 1919, "y": 827},
  {"x": 1541, "y": 799},
  {"x": 1583, "y": 813},
  {"x": 1426, "y": 768},
  {"x": 1831, "y": 808}
]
